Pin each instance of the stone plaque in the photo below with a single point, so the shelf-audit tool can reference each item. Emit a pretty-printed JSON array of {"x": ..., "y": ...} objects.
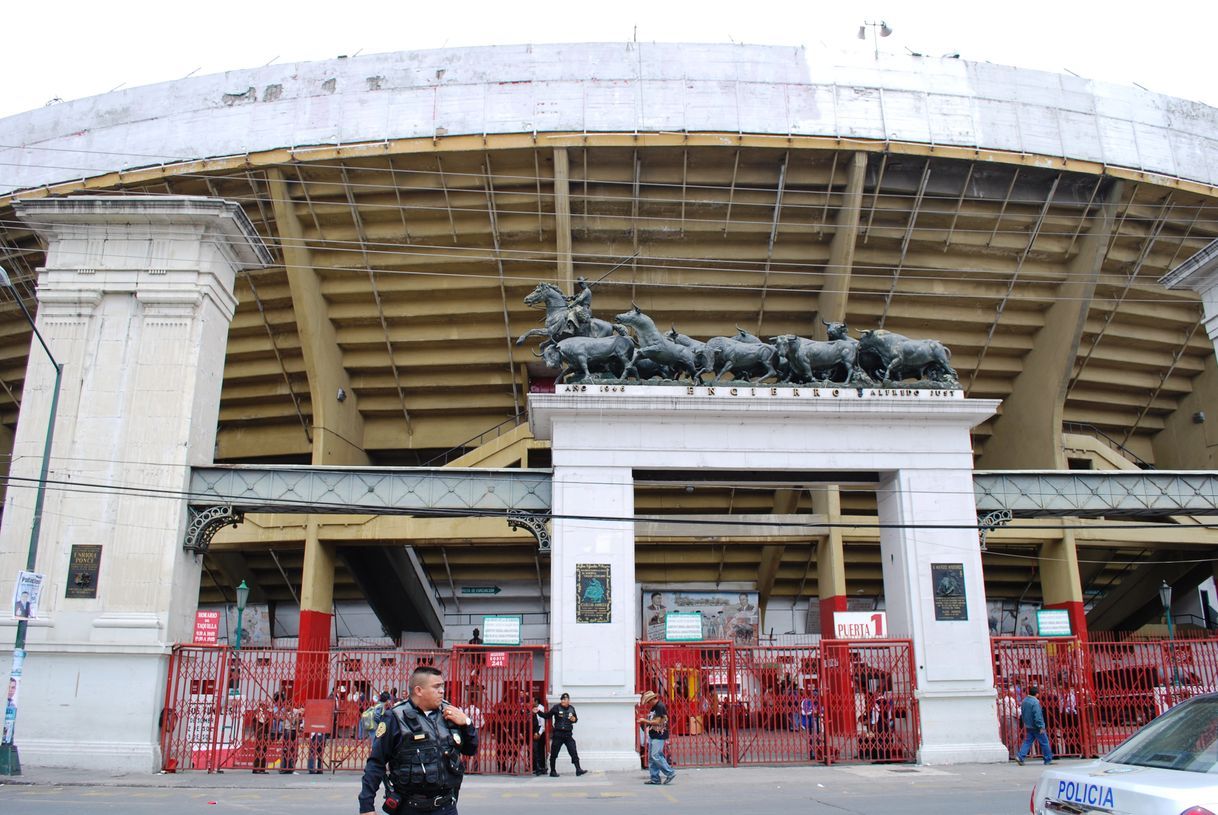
[
  {"x": 84, "y": 565},
  {"x": 592, "y": 602},
  {"x": 947, "y": 583}
]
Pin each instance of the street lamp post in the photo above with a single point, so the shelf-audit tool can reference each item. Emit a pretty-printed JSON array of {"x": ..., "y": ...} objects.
[
  {"x": 243, "y": 594},
  {"x": 10, "y": 761},
  {"x": 1165, "y": 599}
]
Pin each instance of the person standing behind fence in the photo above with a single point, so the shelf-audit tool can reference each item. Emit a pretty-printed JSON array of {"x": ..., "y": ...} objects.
[
  {"x": 260, "y": 721},
  {"x": 291, "y": 731},
  {"x": 1033, "y": 717},
  {"x": 657, "y": 739},
  {"x": 538, "y": 737},
  {"x": 564, "y": 718}
]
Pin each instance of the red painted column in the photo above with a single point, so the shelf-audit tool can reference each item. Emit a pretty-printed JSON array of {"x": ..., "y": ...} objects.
[{"x": 316, "y": 614}]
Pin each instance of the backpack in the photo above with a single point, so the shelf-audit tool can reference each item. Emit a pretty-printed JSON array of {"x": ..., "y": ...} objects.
[{"x": 367, "y": 719}]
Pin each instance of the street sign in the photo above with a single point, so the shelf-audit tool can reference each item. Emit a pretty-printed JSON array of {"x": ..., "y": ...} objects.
[
  {"x": 480, "y": 589},
  {"x": 860, "y": 625},
  {"x": 207, "y": 627}
]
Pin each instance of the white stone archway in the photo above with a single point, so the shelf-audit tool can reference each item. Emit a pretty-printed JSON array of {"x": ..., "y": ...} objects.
[{"x": 916, "y": 442}]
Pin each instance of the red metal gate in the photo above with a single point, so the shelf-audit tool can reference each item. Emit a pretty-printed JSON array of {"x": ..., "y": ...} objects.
[
  {"x": 836, "y": 701},
  {"x": 1096, "y": 694},
  {"x": 247, "y": 709},
  {"x": 496, "y": 686}
]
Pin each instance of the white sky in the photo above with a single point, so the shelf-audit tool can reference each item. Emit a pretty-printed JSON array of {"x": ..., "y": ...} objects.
[{"x": 71, "y": 49}]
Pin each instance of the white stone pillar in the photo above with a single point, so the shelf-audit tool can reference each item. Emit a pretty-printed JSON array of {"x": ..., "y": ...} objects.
[
  {"x": 135, "y": 301},
  {"x": 955, "y": 673},
  {"x": 594, "y": 661}
]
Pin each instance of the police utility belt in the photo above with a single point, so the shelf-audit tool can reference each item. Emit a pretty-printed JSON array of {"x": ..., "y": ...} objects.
[{"x": 417, "y": 803}]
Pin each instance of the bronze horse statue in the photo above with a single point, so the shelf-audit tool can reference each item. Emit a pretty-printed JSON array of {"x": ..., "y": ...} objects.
[{"x": 565, "y": 318}]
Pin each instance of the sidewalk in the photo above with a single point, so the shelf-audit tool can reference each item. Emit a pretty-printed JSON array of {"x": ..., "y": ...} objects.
[{"x": 842, "y": 777}]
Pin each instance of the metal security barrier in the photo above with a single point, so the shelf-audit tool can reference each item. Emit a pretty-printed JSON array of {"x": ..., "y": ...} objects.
[
  {"x": 837, "y": 701},
  {"x": 1097, "y": 694},
  {"x": 265, "y": 709},
  {"x": 496, "y": 686}
]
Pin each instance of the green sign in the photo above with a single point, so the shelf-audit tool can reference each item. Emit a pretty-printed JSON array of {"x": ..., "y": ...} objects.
[
  {"x": 1053, "y": 622},
  {"x": 682, "y": 626},
  {"x": 480, "y": 589},
  {"x": 500, "y": 630}
]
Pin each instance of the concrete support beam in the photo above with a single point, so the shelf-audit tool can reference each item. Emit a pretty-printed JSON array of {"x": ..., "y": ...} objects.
[
  {"x": 338, "y": 427},
  {"x": 1060, "y": 584},
  {"x": 786, "y": 502},
  {"x": 830, "y": 559},
  {"x": 833, "y": 297},
  {"x": 1027, "y": 434},
  {"x": 562, "y": 219}
]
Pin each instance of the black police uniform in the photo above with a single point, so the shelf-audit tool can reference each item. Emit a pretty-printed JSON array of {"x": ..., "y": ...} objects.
[
  {"x": 562, "y": 717},
  {"x": 422, "y": 756}
]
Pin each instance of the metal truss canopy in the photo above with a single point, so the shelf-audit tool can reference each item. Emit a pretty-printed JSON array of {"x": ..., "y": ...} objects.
[
  {"x": 1108, "y": 494},
  {"x": 221, "y": 495}
]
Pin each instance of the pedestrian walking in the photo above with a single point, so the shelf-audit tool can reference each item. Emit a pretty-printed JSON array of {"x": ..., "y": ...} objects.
[
  {"x": 420, "y": 745},
  {"x": 564, "y": 718},
  {"x": 1033, "y": 717},
  {"x": 657, "y": 738}
]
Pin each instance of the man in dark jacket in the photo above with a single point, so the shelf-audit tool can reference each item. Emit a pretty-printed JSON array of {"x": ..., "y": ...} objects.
[
  {"x": 1033, "y": 717},
  {"x": 420, "y": 745},
  {"x": 564, "y": 718}
]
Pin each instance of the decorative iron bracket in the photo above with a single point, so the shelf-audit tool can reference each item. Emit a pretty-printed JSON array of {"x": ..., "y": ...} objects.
[
  {"x": 519, "y": 519},
  {"x": 992, "y": 520},
  {"x": 204, "y": 522}
]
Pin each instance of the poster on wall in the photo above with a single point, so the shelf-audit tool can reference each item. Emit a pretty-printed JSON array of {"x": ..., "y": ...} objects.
[
  {"x": 84, "y": 565},
  {"x": 26, "y": 592},
  {"x": 725, "y": 615},
  {"x": 947, "y": 584},
  {"x": 593, "y": 599}
]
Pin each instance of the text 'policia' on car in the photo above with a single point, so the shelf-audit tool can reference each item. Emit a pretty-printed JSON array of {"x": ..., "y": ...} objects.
[{"x": 1169, "y": 767}]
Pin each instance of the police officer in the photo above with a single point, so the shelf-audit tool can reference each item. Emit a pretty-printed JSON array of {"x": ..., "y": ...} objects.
[
  {"x": 420, "y": 745},
  {"x": 563, "y": 715}
]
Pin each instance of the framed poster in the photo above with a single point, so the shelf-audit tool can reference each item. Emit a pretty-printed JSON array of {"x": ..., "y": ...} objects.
[
  {"x": 84, "y": 564},
  {"x": 947, "y": 585},
  {"x": 726, "y": 615},
  {"x": 594, "y": 596}
]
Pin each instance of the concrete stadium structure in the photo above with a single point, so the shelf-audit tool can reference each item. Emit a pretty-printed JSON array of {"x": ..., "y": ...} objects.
[{"x": 393, "y": 211}]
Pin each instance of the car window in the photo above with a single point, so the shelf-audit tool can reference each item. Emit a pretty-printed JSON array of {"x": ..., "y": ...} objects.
[{"x": 1184, "y": 738}]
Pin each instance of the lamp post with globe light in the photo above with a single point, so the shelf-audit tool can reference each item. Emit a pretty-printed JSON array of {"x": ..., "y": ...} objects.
[
  {"x": 10, "y": 762},
  {"x": 243, "y": 595},
  {"x": 1165, "y": 599}
]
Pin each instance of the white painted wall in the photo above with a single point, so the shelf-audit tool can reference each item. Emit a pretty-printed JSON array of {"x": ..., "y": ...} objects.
[{"x": 611, "y": 87}]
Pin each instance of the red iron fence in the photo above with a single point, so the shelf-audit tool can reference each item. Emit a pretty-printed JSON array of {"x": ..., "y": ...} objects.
[
  {"x": 838, "y": 701},
  {"x": 281, "y": 710}
]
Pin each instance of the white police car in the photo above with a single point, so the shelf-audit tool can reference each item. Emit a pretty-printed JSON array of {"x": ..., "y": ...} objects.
[{"x": 1169, "y": 767}]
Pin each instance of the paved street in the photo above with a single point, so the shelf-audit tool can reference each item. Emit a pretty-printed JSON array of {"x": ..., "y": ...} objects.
[{"x": 856, "y": 790}]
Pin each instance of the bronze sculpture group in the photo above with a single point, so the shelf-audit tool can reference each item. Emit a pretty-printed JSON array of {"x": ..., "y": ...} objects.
[{"x": 586, "y": 349}]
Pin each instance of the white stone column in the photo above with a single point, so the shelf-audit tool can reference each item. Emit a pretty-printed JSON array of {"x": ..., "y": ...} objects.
[
  {"x": 594, "y": 662},
  {"x": 135, "y": 301},
  {"x": 955, "y": 674}
]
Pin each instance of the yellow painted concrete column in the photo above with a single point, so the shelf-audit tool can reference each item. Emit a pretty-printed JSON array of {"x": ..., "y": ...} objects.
[
  {"x": 831, "y": 304},
  {"x": 1189, "y": 441},
  {"x": 830, "y": 559},
  {"x": 1060, "y": 584},
  {"x": 1027, "y": 434}
]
